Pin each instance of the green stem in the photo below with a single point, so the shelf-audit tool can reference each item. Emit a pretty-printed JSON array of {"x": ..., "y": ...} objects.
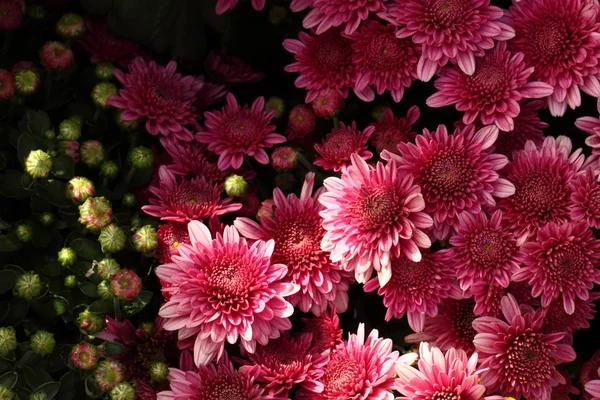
[
  {"x": 336, "y": 122},
  {"x": 117, "y": 306},
  {"x": 305, "y": 162}
]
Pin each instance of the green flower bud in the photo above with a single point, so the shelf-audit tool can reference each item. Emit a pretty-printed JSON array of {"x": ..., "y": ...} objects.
[
  {"x": 47, "y": 218},
  {"x": 40, "y": 395},
  {"x": 36, "y": 11},
  {"x": 67, "y": 257},
  {"x": 104, "y": 70},
  {"x": 112, "y": 238},
  {"x": 141, "y": 157},
  {"x": 6, "y": 393},
  {"x": 159, "y": 372},
  {"x": 70, "y": 281},
  {"x": 123, "y": 391},
  {"x": 69, "y": 130},
  {"x": 107, "y": 268},
  {"x": 50, "y": 134},
  {"x": 71, "y": 26},
  {"x": 79, "y": 189},
  {"x": 149, "y": 327},
  {"x": 60, "y": 305},
  {"x": 127, "y": 126},
  {"x": 77, "y": 119},
  {"x": 235, "y": 186},
  {"x": 129, "y": 200},
  {"x": 24, "y": 232},
  {"x": 136, "y": 221},
  {"x": 42, "y": 343},
  {"x": 102, "y": 92},
  {"x": 95, "y": 213},
  {"x": 38, "y": 164},
  {"x": 109, "y": 374},
  {"x": 90, "y": 323},
  {"x": 104, "y": 291},
  {"x": 28, "y": 286},
  {"x": 145, "y": 239},
  {"x": 277, "y": 104},
  {"x": 109, "y": 169},
  {"x": 92, "y": 153},
  {"x": 8, "y": 340},
  {"x": 27, "y": 81}
]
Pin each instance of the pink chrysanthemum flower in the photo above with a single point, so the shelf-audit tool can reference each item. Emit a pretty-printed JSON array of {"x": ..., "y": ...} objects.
[
  {"x": 451, "y": 375},
  {"x": 227, "y": 5},
  {"x": 362, "y": 368},
  {"x": 230, "y": 69},
  {"x": 559, "y": 39},
  {"x": 300, "y": 5},
  {"x": 520, "y": 360},
  {"x": 556, "y": 319},
  {"x": 483, "y": 250},
  {"x": 526, "y": 126},
  {"x": 492, "y": 93},
  {"x": 192, "y": 159},
  {"x": 586, "y": 198},
  {"x": 340, "y": 144},
  {"x": 457, "y": 173},
  {"x": 214, "y": 382},
  {"x": 325, "y": 331},
  {"x": 226, "y": 290},
  {"x": 371, "y": 215},
  {"x": 346, "y": 13},
  {"x": 416, "y": 288},
  {"x": 391, "y": 130},
  {"x": 541, "y": 177},
  {"x": 162, "y": 96},
  {"x": 564, "y": 391},
  {"x": 592, "y": 389},
  {"x": 296, "y": 229},
  {"x": 170, "y": 236},
  {"x": 194, "y": 199},
  {"x": 451, "y": 328},
  {"x": 591, "y": 125},
  {"x": 457, "y": 31},
  {"x": 489, "y": 295},
  {"x": 324, "y": 63},
  {"x": 288, "y": 362},
  {"x": 590, "y": 370},
  {"x": 561, "y": 263},
  {"x": 209, "y": 94},
  {"x": 237, "y": 131},
  {"x": 383, "y": 61},
  {"x": 104, "y": 47}
]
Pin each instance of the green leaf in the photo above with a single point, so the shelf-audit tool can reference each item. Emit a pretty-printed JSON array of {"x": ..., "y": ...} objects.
[
  {"x": 4, "y": 309},
  {"x": 10, "y": 243},
  {"x": 136, "y": 305},
  {"x": 102, "y": 307},
  {"x": 7, "y": 280},
  {"x": 53, "y": 270},
  {"x": 35, "y": 377},
  {"x": 55, "y": 192},
  {"x": 67, "y": 386},
  {"x": 89, "y": 289},
  {"x": 91, "y": 390},
  {"x": 4, "y": 366},
  {"x": 25, "y": 145},
  {"x": 4, "y": 224},
  {"x": 87, "y": 249},
  {"x": 40, "y": 236},
  {"x": 35, "y": 123},
  {"x": 11, "y": 185},
  {"x": 9, "y": 379},
  {"x": 63, "y": 167},
  {"x": 29, "y": 358},
  {"x": 18, "y": 310},
  {"x": 50, "y": 388},
  {"x": 112, "y": 349}
]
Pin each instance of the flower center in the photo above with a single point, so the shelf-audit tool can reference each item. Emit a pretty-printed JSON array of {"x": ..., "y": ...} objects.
[
  {"x": 446, "y": 13},
  {"x": 242, "y": 130},
  {"x": 528, "y": 359},
  {"x": 384, "y": 51},
  {"x": 488, "y": 247},
  {"x": 342, "y": 376},
  {"x": 224, "y": 387},
  {"x": 412, "y": 277},
  {"x": 566, "y": 263},
  {"x": 298, "y": 241},
  {"x": 445, "y": 394},
  {"x": 339, "y": 144},
  {"x": 332, "y": 52},
  {"x": 229, "y": 279},
  {"x": 549, "y": 39},
  {"x": 539, "y": 193},
  {"x": 489, "y": 80},
  {"x": 377, "y": 208},
  {"x": 448, "y": 175},
  {"x": 189, "y": 194},
  {"x": 461, "y": 316},
  {"x": 594, "y": 199}
]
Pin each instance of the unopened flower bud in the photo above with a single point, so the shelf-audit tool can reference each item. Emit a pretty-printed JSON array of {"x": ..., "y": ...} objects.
[
  {"x": 104, "y": 291},
  {"x": 50, "y": 134},
  {"x": 56, "y": 56},
  {"x": 6, "y": 393},
  {"x": 70, "y": 281},
  {"x": 141, "y": 157},
  {"x": 126, "y": 125},
  {"x": 378, "y": 111},
  {"x": 109, "y": 374},
  {"x": 126, "y": 284},
  {"x": 90, "y": 323},
  {"x": 69, "y": 148},
  {"x": 277, "y": 104},
  {"x": 104, "y": 70},
  {"x": 122, "y": 391},
  {"x": 95, "y": 213},
  {"x": 159, "y": 371},
  {"x": 107, "y": 268},
  {"x": 267, "y": 209},
  {"x": 301, "y": 121},
  {"x": 129, "y": 200},
  {"x": 28, "y": 286},
  {"x": 79, "y": 189},
  {"x": 284, "y": 158},
  {"x": 67, "y": 257},
  {"x": 24, "y": 232},
  {"x": 47, "y": 218},
  {"x": 112, "y": 238},
  {"x": 109, "y": 169},
  {"x": 77, "y": 119},
  {"x": 60, "y": 305},
  {"x": 42, "y": 343},
  {"x": 8, "y": 340},
  {"x": 27, "y": 81},
  {"x": 145, "y": 239},
  {"x": 92, "y": 153},
  {"x": 102, "y": 92},
  {"x": 328, "y": 105},
  {"x": 235, "y": 186},
  {"x": 149, "y": 327},
  {"x": 38, "y": 164},
  {"x": 69, "y": 130},
  {"x": 36, "y": 12},
  {"x": 71, "y": 26},
  {"x": 84, "y": 356}
]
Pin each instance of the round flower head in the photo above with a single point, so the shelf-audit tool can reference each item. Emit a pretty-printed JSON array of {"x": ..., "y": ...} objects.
[
  {"x": 95, "y": 213},
  {"x": 325, "y": 331},
  {"x": 519, "y": 360},
  {"x": 226, "y": 290},
  {"x": 104, "y": 47},
  {"x": 457, "y": 173},
  {"x": 27, "y": 81},
  {"x": 340, "y": 144},
  {"x": 328, "y": 105},
  {"x": 112, "y": 238},
  {"x": 70, "y": 26},
  {"x": 458, "y": 31},
  {"x": 561, "y": 263},
  {"x": 164, "y": 97},
  {"x": 586, "y": 198},
  {"x": 416, "y": 288},
  {"x": 42, "y": 343},
  {"x": 284, "y": 158},
  {"x": 484, "y": 250},
  {"x": 191, "y": 159},
  {"x": 238, "y": 131},
  {"x": 6, "y": 393},
  {"x": 296, "y": 228},
  {"x": 491, "y": 94},
  {"x": 145, "y": 239},
  {"x": 210, "y": 382},
  {"x": 361, "y": 368},
  {"x": 193, "y": 199},
  {"x": 276, "y": 104},
  {"x": 324, "y": 63},
  {"x": 371, "y": 215},
  {"x": 349, "y": 14},
  {"x": 556, "y": 320},
  {"x": 8, "y": 340},
  {"x": 126, "y": 284},
  {"x": 391, "y": 130},
  {"x": 230, "y": 69},
  {"x": 90, "y": 323},
  {"x": 526, "y": 126},
  {"x": 84, "y": 355},
  {"x": 38, "y": 164},
  {"x": 109, "y": 374},
  {"x": 107, "y": 268},
  {"x": 451, "y": 375},
  {"x": 383, "y": 61},
  {"x": 288, "y": 362},
  {"x": 11, "y": 15},
  {"x": 123, "y": 391},
  {"x": 301, "y": 121},
  {"x": 101, "y": 92},
  {"x": 559, "y": 40},
  {"x": 541, "y": 177},
  {"x": 7, "y": 83},
  {"x": 170, "y": 236},
  {"x": 56, "y": 56},
  {"x": 27, "y": 286}
]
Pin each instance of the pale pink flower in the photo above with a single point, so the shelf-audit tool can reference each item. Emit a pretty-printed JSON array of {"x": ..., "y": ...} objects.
[
  {"x": 586, "y": 198},
  {"x": 340, "y": 144},
  {"x": 391, "y": 130},
  {"x": 325, "y": 14}
]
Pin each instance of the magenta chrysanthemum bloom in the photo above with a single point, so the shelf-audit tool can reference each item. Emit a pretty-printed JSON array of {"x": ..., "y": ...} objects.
[
  {"x": 566, "y": 390},
  {"x": 484, "y": 251},
  {"x": 296, "y": 229},
  {"x": 192, "y": 159},
  {"x": 288, "y": 362},
  {"x": 561, "y": 263},
  {"x": 325, "y": 331},
  {"x": 226, "y": 290},
  {"x": 586, "y": 198},
  {"x": 362, "y": 368},
  {"x": 391, "y": 130},
  {"x": 237, "y": 131},
  {"x": 340, "y": 144},
  {"x": 227, "y": 5},
  {"x": 556, "y": 319},
  {"x": 193, "y": 199},
  {"x": 213, "y": 382},
  {"x": 560, "y": 40},
  {"x": 457, "y": 31},
  {"x": 489, "y": 295},
  {"x": 451, "y": 375},
  {"x": 347, "y": 13},
  {"x": 491, "y": 94},
  {"x": 541, "y": 177},
  {"x": 519, "y": 359},
  {"x": 324, "y": 63},
  {"x": 451, "y": 328},
  {"x": 457, "y": 173},
  {"x": 164, "y": 97},
  {"x": 527, "y": 126},
  {"x": 170, "y": 236},
  {"x": 230, "y": 69},
  {"x": 104, "y": 47},
  {"x": 591, "y": 125},
  {"x": 371, "y": 215},
  {"x": 208, "y": 94},
  {"x": 416, "y": 288},
  {"x": 383, "y": 61},
  {"x": 592, "y": 389}
]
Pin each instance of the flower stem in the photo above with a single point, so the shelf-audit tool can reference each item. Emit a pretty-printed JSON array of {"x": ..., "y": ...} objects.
[
  {"x": 336, "y": 122},
  {"x": 117, "y": 306}
]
